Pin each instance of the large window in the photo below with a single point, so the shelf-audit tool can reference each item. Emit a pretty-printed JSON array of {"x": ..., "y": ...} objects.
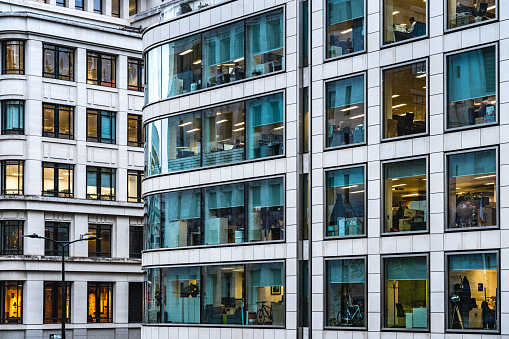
[
  {"x": 134, "y": 179},
  {"x": 58, "y": 62},
  {"x": 403, "y": 20},
  {"x": 345, "y": 27},
  {"x": 100, "y": 247},
  {"x": 247, "y": 48},
  {"x": 134, "y": 130},
  {"x": 115, "y": 8},
  {"x": 462, "y": 13},
  {"x": 12, "y": 176},
  {"x": 13, "y": 117},
  {"x": 405, "y": 196},
  {"x": 79, "y": 5},
  {"x": 58, "y": 231},
  {"x": 53, "y": 302},
  {"x": 236, "y": 294},
  {"x": 135, "y": 302},
  {"x": 175, "y": 219},
  {"x": 100, "y": 183},
  {"x": 133, "y": 7},
  {"x": 101, "y": 68},
  {"x": 11, "y": 242},
  {"x": 57, "y": 121},
  {"x": 472, "y": 88},
  {"x": 472, "y": 189},
  {"x": 473, "y": 291},
  {"x": 11, "y": 302},
  {"x": 101, "y": 126},
  {"x": 13, "y": 57},
  {"x": 406, "y": 292},
  {"x": 57, "y": 180},
  {"x": 345, "y": 111},
  {"x": 135, "y": 74},
  {"x": 405, "y": 100},
  {"x": 135, "y": 241},
  {"x": 345, "y": 202},
  {"x": 100, "y": 302},
  {"x": 97, "y": 6},
  {"x": 346, "y": 292}
]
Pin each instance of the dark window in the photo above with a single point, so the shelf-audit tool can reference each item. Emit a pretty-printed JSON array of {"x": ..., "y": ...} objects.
[
  {"x": 79, "y": 5},
  {"x": 58, "y": 62},
  {"x": 101, "y": 126},
  {"x": 100, "y": 183},
  {"x": 57, "y": 180},
  {"x": 12, "y": 177},
  {"x": 10, "y": 237},
  {"x": 60, "y": 3},
  {"x": 135, "y": 74},
  {"x": 58, "y": 231},
  {"x": 13, "y": 117},
  {"x": 115, "y": 8},
  {"x": 100, "y": 247},
  {"x": 98, "y": 6},
  {"x": 57, "y": 121},
  {"x": 11, "y": 302},
  {"x": 135, "y": 241},
  {"x": 100, "y": 302},
  {"x": 135, "y": 302},
  {"x": 13, "y": 57},
  {"x": 133, "y": 7},
  {"x": 101, "y": 69},
  {"x": 53, "y": 302},
  {"x": 134, "y": 185},
  {"x": 134, "y": 130}
]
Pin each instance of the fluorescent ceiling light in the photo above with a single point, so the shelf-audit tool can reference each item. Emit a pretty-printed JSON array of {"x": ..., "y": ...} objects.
[
  {"x": 238, "y": 129},
  {"x": 221, "y": 121},
  {"x": 193, "y": 130},
  {"x": 349, "y": 108},
  {"x": 351, "y": 186},
  {"x": 346, "y": 31},
  {"x": 421, "y": 76},
  {"x": 197, "y": 62},
  {"x": 490, "y": 8},
  {"x": 357, "y": 116},
  {"x": 238, "y": 60},
  {"x": 356, "y": 192},
  {"x": 280, "y": 127},
  {"x": 400, "y": 105},
  {"x": 395, "y": 12},
  {"x": 490, "y": 183},
  {"x": 395, "y": 96},
  {"x": 186, "y": 52},
  {"x": 410, "y": 195},
  {"x": 486, "y": 176},
  {"x": 398, "y": 185},
  {"x": 185, "y": 124},
  {"x": 239, "y": 124}
]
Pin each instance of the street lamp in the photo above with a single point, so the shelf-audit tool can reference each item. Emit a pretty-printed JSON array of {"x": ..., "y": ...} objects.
[{"x": 63, "y": 244}]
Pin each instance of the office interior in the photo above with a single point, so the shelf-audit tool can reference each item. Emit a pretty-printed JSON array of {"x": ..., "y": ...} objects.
[{"x": 397, "y": 24}]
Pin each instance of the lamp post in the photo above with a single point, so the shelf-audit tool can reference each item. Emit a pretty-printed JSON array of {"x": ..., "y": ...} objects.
[{"x": 63, "y": 244}]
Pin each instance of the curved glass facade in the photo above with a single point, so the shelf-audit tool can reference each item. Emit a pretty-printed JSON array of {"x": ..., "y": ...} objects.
[
  {"x": 244, "y": 49},
  {"x": 235, "y": 132}
]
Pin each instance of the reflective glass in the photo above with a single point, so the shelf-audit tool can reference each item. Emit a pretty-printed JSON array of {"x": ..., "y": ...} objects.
[
  {"x": 465, "y": 12},
  {"x": 266, "y": 215},
  {"x": 13, "y": 116},
  {"x": 10, "y": 237},
  {"x": 403, "y": 20},
  {"x": 345, "y": 27},
  {"x": 13, "y": 59}
]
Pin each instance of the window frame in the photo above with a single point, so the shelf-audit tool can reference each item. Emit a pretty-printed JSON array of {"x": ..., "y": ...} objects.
[
  {"x": 113, "y": 13},
  {"x": 21, "y": 113},
  {"x": 140, "y": 130},
  {"x": 135, "y": 7},
  {"x": 135, "y": 231},
  {"x": 20, "y": 298},
  {"x": 56, "y": 119},
  {"x": 99, "y": 228},
  {"x": 80, "y": 8},
  {"x": 100, "y": 114},
  {"x": 9, "y": 71},
  {"x": 475, "y": 24},
  {"x": 4, "y": 224},
  {"x": 383, "y": 233},
  {"x": 140, "y": 63},
  {"x": 56, "y": 75},
  {"x": 447, "y": 254},
  {"x": 446, "y": 189},
  {"x": 56, "y": 189},
  {"x": 55, "y": 225},
  {"x": 382, "y": 294},
  {"x": 98, "y": 285},
  {"x": 446, "y": 87},
  {"x": 21, "y": 165},
  {"x": 95, "y": 10},
  {"x": 326, "y": 82},
  {"x": 54, "y": 296},
  {"x": 325, "y": 211},
  {"x": 139, "y": 179},
  {"x": 382, "y": 100},
  {"x": 99, "y": 57},
  {"x": 98, "y": 171},
  {"x": 326, "y": 260}
]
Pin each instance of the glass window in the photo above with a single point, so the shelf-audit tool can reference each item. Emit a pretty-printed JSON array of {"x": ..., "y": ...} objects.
[
  {"x": 346, "y": 292},
  {"x": 115, "y": 8},
  {"x": 345, "y": 111},
  {"x": 12, "y": 177},
  {"x": 58, "y": 231},
  {"x": 57, "y": 180},
  {"x": 304, "y": 120},
  {"x": 135, "y": 74},
  {"x": 11, "y": 302},
  {"x": 266, "y": 216},
  {"x": 100, "y": 302},
  {"x": 403, "y": 20},
  {"x": 53, "y": 302},
  {"x": 345, "y": 27},
  {"x": 57, "y": 121},
  {"x": 79, "y": 5},
  {"x": 135, "y": 241},
  {"x": 305, "y": 34},
  {"x": 101, "y": 68},
  {"x": 473, "y": 291},
  {"x": 13, "y": 117},
  {"x": 100, "y": 247},
  {"x": 58, "y": 62},
  {"x": 265, "y": 126},
  {"x": 10, "y": 237},
  {"x": 182, "y": 138},
  {"x": 224, "y": 214},
  {"x": 405, "y": 196},
  {"x": 223, "y": 134},
  {"x": 134, "y": 130},
  {"x": 98, "y": 6},
  {"x": 133, "y": 7},
  {"x": 154, "y": 301},
  {"x": 60, "y": 3},
  {"x": 223, "y": 54},
  {"x": 465, "y": 12},
  {"x": 472, "y": 189},
  {"x": 345, "y": 202},
  {"x": 13, "y": 57},
  {"x": 101, "y": 126},
  {"x": 135, "y": 314},
  {"x": 405, "y": 292},
  {"x": 265, "y": 43},
  {"x": 153, "y": 148},
  {"x": 100, "y": 183},
  {"x": 405, "y": 97},
  {"x": 134, "y": 179},
  {"x": 472, "y": 88}
]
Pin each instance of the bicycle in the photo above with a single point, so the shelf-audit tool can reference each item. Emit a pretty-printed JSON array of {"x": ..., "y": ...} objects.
[
  {"x": 264, "y": 312},
  {"x": 352, "y": 314}
]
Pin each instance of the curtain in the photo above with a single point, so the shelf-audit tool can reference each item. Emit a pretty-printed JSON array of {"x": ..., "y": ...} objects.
[
  {"x": 14, "y": 115},
  {"x": 348, "y": 271},
  {"x": 473, "y": 163}
]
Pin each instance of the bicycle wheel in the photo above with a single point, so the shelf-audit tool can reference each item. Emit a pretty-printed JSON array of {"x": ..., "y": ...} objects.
[
  {"x": 260, "y": 317},
  {"x": 339, "y": 317}
]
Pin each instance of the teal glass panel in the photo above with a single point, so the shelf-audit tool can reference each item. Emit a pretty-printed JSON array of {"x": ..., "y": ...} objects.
[
  {"x": 153, "y": 217},
  {"x": 345, "y": 27}
]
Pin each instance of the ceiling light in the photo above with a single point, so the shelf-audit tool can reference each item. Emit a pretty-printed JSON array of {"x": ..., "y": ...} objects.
[
  {"x": 395, "y": 96},
  {"x": 395, "y": 12},
  {"x": 346, "y": 31},
  {"x": 186, "y": 52},
  {"x": 421, "y": 76},
  {"x": 186, "y": 123},
  {"x": 351, "y": 186},
  {"x": 238, "y": 60},
  {"x": 398, "y": 185},
  {"x": 410, "y": 195},
  {"x": 490, "y": 183},
  {"x": 490, "y": 8},
  {"x": 356, "y": 192},
  {"x": 221, "y": 121},
  {"x": 400, "y": 105},
  {"x": 280, "y": 127},
  {"x": 197, "y": 62},
  {"x": 349, "y": 108},
  {"x": 238, "y": 129},
  {"x": 357, "y": 116},
  {"x": 239, "y": 124},
  {"x": 193, "y": 130},
  {"x": 218, "y": 113},
  {"x": 486, "y": 176}
]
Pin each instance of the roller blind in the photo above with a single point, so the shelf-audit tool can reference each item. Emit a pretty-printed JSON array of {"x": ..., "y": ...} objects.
[
  {"x": 406, "y": 169},
  {"x": 346, "y": 177},
  {"x": 266, "y": 193},
  {"x": 344, "y": 10},
  {"x": 182, "y": 205},
  {"x": 346, "y": 271},
  {"x": 409, "y": 268},
  {"x": 267, "y": 275},
  {"x": 226, "y": 196},
  {"x": 265, "y": 111},
  {"x": 478, "y": 261},
  {"x": 474, "y": 163},
  {"x": 346, "y": 92},
  {"x": 181, "y": 273}
]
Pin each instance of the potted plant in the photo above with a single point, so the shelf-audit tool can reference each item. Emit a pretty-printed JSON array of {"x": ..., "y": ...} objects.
[{"x": 185, "y": 8}]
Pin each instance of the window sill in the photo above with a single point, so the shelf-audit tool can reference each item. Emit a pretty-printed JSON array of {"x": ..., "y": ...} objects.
[
  {"x": 71, "y": 83},
  {"x": 13, "y": 137},
  {"x": 102, "y": 88}
]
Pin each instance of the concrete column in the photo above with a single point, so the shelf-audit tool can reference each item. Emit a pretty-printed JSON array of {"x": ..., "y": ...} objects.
[
  {"x": 34, "y": 223},
  {"x": 122, "y": 72},
  {"x": 121, "y": 184},
  {"x": 89, "y": 5},
  {"x": 33, "y": 304},
  {"x": 122, "y": 238},
  {"x": 71, "y": 4},
  {"x": 107, "y": 7},
  {"x": 124, "y": 9},
  {"x": 120, "y": 302},
  {"x": 79, "y": 310},
  {"x": 80, "y": 249},
  {"x": 80, "y": 180}
]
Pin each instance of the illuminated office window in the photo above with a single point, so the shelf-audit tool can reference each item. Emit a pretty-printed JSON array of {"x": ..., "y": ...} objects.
[
  {"x": 345, "y": 27},
  {"x": 57, "y": 121},
  {"x": 11, "y": 302},
  {"x": 461, "y": 13},
  {"x": 11, "y": 242},
  {"x": 101, "y": 126},
  {"x": 100, "y": 302},
  {"x": 57, "y": 180},
  {"x": 134, "y": 130},
  {"x": 53, "y": 302},
  {"x": 134, "y": 179},
  {"x": 13, "y": 57},
  {"x": 101, "y": 69},
  {"x": 58, "y": 62},
  {"x": 100, "y": 247},
  {"x": 135, "y": 74},
  {"x": 404, "y": 20},
  {"x": 12, "y": 176},
  {"x": 100, "y": 183}
]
